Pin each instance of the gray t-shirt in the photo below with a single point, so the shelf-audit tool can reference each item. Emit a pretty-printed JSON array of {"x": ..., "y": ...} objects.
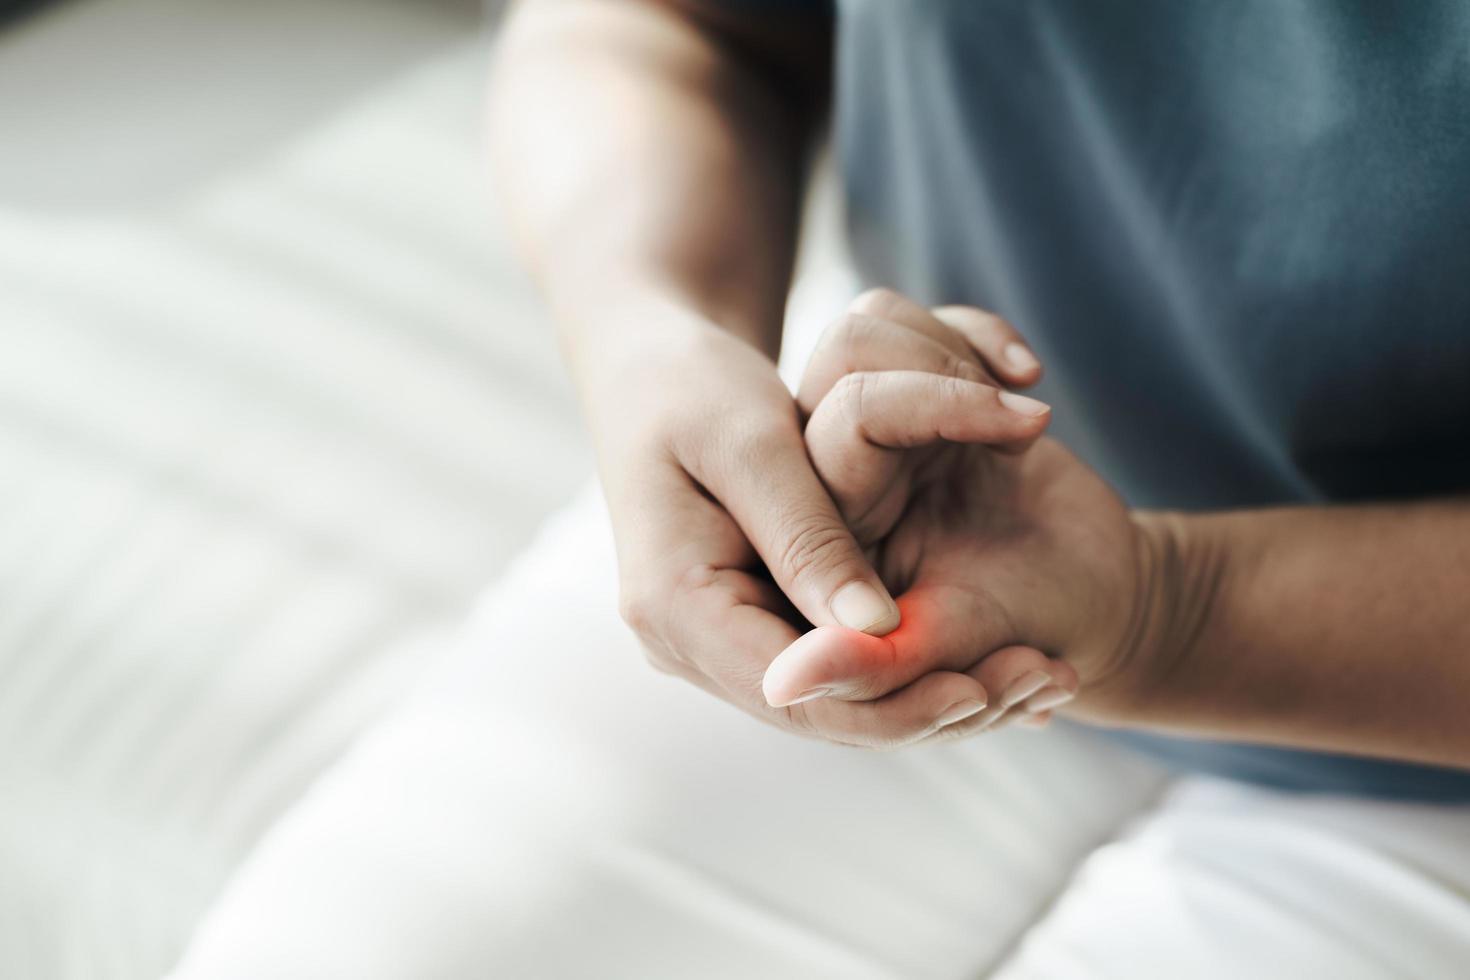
[{"x": 1237, "y": 233}]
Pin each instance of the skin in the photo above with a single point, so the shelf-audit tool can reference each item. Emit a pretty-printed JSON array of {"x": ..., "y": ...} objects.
[
  {"x": 890, "y": 436},
  {"x": 668, "y": 297},
  {"x": 650, "y": 156},
  {"x": 1339, "y": 628}
]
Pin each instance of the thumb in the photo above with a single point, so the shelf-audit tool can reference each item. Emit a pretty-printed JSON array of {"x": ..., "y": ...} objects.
[
  {"x": 943, "y": 629},
  {"x": 772, "y": 492}
]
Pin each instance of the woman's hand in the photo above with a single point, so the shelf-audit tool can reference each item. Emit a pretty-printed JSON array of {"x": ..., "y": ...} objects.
[
  {"x": 994, "y": 556},
  {"x": 651, "y": 277}
]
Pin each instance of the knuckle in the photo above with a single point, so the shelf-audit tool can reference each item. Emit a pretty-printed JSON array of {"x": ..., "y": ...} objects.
[
  {"x": 964, "y": 368},
  {"x": 981, "y": 325},
  {"x": 960, "y": 311},
  {"x": 948, "y": 387},
  {"x": 646, "y": 610},
  {"x": 850, "y": 392},
  {"x": 965, "y": 391},
  {"x": 814, "y": 548},
  {"x": 850, "y": 334},
  {"x": 641, "y": 608},
  {"x": 877, "y": 301}
]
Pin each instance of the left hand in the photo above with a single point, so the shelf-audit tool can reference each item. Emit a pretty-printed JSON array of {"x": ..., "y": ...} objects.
[{"x": 992, "y": 557}]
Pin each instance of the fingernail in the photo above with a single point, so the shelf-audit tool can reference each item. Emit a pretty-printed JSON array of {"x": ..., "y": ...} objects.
[
  {"x": 1046, "y": 700},
  {"x": 859, "y": 606},
  {"x": 1035, "y": 721},
  {"x": 1021, "y": 359},
  {"x": 812, "y": 695},
  {"x": 1022, "y": 405},
  {"x": 959, "y": 711},
  {"x": 1023, "y": 687},
  {"x": 992, "y": 716}
]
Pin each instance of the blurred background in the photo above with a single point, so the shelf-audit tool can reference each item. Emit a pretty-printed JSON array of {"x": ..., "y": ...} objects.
[{"x": 275, "y": 404}]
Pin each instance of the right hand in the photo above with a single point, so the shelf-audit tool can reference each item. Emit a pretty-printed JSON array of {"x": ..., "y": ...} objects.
[
  {"x": 893, "y": 421},
  {"x": 728, "y": 544},
  {"x": 995, "y": 557}
]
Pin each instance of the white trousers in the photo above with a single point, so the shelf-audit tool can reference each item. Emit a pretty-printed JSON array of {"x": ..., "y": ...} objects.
[{"x": 548, "y": 806}]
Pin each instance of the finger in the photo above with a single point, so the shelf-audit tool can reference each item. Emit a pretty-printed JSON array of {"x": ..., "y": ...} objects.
[
  {"x": 931, "y": 707},
  {"x": 937, "y": 706},
  {"x": 857, "y": 434},
  {"x": 1002, "y": 348},
  {"x": 901, "y": 718},
  {"x": 967, "y": 330},
  {"x": 683, "y": 588},
  {"x": 858, "y": 342},
  {"x": 903, "y": 409},
  {"x": 1019, "y": 675},
  {"x": 663, "y": 526},
  {"x": 734, "y": 641},
  {"x": 832, "y": 662},
  {"x": 886, "y": 304},
  {"x": 766, "y": 482},
  {"x": 943, "y": 629},
  {"x": 707, "y": 620},
  {"x": 1050, "y": 698}
]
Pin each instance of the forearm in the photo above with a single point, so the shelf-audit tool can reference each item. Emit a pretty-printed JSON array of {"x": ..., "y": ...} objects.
[
  {"x": 1342, "y": 628},
  {"x": 650, "y": 167}
]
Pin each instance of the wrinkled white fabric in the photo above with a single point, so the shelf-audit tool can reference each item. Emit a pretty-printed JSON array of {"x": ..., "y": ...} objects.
[
  {"x": 268, "y": 424},
  {"x": 1226, "y": 881},
  {"x": 548, "y": 806}
]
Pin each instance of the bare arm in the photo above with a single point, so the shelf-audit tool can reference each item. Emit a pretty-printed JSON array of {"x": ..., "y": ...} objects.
[
  {"x": 650, "y": 155},
  {"x": 1343, "y": 628}
]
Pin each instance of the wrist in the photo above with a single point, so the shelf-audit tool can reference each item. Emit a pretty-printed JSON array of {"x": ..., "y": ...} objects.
[
  {"x": 1181, "y": 581},
  {"x": 650, "y": 339},
  {"x": 602, "y": 316},
  {"x": 669, "y": 385}
]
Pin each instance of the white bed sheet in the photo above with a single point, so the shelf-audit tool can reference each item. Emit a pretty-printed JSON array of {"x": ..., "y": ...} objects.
[{"x": 274, "y": 406}]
